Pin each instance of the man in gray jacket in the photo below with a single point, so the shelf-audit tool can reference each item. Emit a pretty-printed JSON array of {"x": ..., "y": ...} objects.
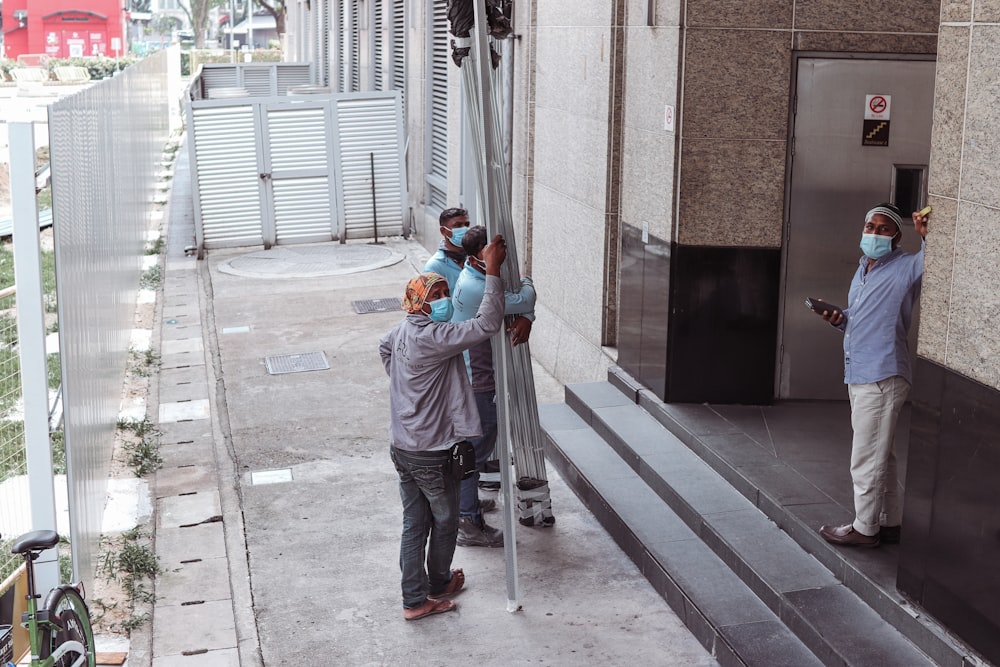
[{"x": 432, "y": 407}]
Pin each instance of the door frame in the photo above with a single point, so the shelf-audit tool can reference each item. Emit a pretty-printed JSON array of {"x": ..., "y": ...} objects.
[{"x": 789, "y": 157}]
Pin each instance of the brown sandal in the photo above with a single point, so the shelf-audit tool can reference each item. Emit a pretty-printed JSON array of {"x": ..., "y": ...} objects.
[
  {"x": 429, "y": 608},
  {"x": 454, "y": 585}
]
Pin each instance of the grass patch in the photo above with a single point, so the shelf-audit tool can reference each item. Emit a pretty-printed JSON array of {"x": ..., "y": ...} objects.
[
  {"x": 151, "y": 278},
  {"x": 141, "y": 445},
  {"x": 156, "y": 247},
  {"x": 129, "y": 561}
]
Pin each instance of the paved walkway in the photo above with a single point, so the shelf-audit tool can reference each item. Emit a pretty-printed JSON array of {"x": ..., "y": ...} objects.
[{"x": 277, "y": 514}]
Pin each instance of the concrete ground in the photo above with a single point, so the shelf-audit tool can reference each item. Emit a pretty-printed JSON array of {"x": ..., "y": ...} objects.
[{"x": 278, "y": 514}]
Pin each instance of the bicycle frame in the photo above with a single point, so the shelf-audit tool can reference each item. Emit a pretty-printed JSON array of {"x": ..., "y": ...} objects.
[{"x": 34, "y": 620}]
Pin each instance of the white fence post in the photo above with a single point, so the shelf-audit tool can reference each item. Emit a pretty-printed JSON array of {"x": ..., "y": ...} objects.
[{"x": 31, "y": 344}]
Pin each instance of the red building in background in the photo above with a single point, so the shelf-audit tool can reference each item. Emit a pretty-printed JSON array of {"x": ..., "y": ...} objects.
[{"x": 63, "y": 28}]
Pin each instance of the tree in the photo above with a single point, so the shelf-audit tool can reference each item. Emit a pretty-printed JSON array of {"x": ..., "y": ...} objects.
[
  {"x": 197, "y": 13},
  {"x": 275, "y": 8}
]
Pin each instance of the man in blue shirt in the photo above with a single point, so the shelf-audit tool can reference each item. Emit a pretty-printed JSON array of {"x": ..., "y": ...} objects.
[
  {"x": 450, "y": 257},
  {"x": 877, "y": 372}
]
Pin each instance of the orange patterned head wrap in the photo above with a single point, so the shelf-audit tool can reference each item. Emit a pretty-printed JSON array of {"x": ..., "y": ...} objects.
[{"x": 417, "y": 289}]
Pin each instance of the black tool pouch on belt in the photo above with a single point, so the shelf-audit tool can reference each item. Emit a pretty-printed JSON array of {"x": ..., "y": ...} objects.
[{"x": 463, "y": 460}]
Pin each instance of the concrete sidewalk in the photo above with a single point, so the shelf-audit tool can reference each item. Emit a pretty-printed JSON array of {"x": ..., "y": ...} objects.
[{"x": 277, "y": 508}]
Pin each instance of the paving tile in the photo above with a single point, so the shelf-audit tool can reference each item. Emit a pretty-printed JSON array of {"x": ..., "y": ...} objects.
[
  {"x": 183, "y": 391},
  {"x": 859, "y": 635},
  {"x": 768, "y": 643},
  {"x": 769, "y": 552},
  {"x": 185, "y": 410},
  {"x": 710, "y": 584},
  {"x": 173, "y": 432},
  {"x": 586, "y": 396},
  {"x": 700, "y": 487},
  {"x": 634, "y": 426},
  {"x": 197, "y": 581},
  {"x": 207, "y": 540},
  {"x": 229, "y": 657},
  {"x": 182, "y": 360},
  {"x": 180, "y": 511},
  {"x": 644, "y": 512},
  {"x": 559, "y": 417},
  {"x": 175, "y": 480},
  {"x": 698, "y": 419},
  {"x": 182, "y": 345},
  {"x": 782, "y": 484},
  {"x": 591, "y": 455},
  {"x": 208, "y": 626},
  {"x": 174, "y": 330}
]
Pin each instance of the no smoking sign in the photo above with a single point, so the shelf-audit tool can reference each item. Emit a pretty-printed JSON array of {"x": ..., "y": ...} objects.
[{"x": 877, "y": 107}]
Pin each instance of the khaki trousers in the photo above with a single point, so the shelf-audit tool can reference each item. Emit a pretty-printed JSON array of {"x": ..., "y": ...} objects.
[{"x": 875, "y": 409}]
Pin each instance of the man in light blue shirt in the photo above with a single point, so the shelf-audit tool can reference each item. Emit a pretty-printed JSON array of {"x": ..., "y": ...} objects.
[
  {"x": 449, "y": 258},
  {"x": 876, "y": 323}
]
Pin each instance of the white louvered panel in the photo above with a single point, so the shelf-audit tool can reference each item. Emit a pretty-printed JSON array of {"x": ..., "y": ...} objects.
[
  {"x": 345, "y": 46},
  {"x": 323, "y": 51},
  {"x": 227, "y": 178},
  {"x": 378, "y": 61},
  {"x": 398, "y": 50},
  {"x": 298, "y": 138},
  {"x": 258, "y": 81},
  {"x": 292, "y": 75},
  {"x": 439, "y": 94},
  {"x": 366, "y": 126},
  {"x": 355, "y": 39},
  {"x": 217, "y": 77},
  {"x": 302, "y": 210}
]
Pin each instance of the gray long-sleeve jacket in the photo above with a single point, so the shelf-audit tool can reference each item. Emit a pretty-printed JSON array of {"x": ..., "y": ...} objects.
[{"x": 430, "y": 397}]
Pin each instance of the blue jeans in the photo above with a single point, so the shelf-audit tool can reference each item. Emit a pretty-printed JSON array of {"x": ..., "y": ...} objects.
[
  {"x": 487, "y": 405},
  {"x": 430, "y": 510}
]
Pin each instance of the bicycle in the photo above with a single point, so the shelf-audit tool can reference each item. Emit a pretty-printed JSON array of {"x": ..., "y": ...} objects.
[{"x": 59, "y": 633}]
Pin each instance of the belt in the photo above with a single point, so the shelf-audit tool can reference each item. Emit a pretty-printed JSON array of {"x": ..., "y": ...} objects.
[{"x": 433, "y": 454}]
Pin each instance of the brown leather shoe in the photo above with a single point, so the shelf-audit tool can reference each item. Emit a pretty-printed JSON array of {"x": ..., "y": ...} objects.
[
  {"x": 846, "y": 536},
  {"x": 889, "y": 534}
]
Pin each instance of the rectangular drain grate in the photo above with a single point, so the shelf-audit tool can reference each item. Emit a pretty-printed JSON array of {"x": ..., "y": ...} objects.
[
  {"x": 362, "y": 306},
  {"x": 296, "y": 363}
]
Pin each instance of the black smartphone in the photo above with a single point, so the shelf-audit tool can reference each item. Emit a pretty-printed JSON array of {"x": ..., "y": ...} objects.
[{"x": 820, "y": 306}]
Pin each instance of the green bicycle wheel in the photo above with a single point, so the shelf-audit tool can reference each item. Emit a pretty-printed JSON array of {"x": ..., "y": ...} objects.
[{"x": 68, "y": 610}]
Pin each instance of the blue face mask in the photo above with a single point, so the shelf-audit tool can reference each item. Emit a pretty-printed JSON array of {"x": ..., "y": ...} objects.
[
  {"x": 457, "y": 235},
  {"x": 442, "y": 310},
  {"x": 876, "y": 245}
]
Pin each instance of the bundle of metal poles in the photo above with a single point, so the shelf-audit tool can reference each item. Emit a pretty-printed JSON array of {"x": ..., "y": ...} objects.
[{"x": 519, "y": 441}]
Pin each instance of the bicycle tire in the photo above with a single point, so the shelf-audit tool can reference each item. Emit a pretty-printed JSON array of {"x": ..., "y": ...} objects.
[{"x": 69, "y": 611}]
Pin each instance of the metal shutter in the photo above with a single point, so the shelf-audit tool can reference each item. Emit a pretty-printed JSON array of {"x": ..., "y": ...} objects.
[
  {"x": 258, "y": 80},
  {"x": 225, "y": 156},
  {"x": 378, "y": 57},
  {"x": 367, "y": 126},
  {"x": 355, "y": 43},
  {"x": 397, "y": 52},
  {"x": 289, "y": 74},
  {"x": 345, "y": 46},
  {"x": 437, "y": 194},
  {"x": 299, "y": 159}
]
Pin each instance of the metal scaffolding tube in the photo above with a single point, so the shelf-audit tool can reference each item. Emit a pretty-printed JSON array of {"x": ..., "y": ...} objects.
[{"x": 519, "y": 438}]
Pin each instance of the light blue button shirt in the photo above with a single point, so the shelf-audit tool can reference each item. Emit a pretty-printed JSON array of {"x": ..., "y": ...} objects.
[{"x": 878, "y": 313}]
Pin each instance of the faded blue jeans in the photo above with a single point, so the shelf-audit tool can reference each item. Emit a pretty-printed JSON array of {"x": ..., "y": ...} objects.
[
  {"x": 469, "y": 497},
  {"x": 430, "y": 522}
]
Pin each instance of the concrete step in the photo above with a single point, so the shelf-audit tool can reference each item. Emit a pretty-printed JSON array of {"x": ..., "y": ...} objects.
[
  {"x": 647, "y": 459},
  {"x": 726, "y": 616},
  {"x": 776, "y": 491}
]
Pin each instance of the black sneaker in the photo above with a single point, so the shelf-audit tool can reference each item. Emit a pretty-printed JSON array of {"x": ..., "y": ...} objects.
[
  {"x": 487, "y": 505},
  {"x": 472, "y": 533}
]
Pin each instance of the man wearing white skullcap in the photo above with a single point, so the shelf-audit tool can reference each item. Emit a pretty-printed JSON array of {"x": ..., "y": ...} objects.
[{"x": 877, "y": 371}]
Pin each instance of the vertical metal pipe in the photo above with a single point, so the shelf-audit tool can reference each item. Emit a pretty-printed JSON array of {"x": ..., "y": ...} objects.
[{"x": 31, "y": 344}]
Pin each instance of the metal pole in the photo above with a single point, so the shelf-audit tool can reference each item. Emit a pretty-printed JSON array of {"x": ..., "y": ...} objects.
[
  {"x": 374, "y": 206},
  {"x": 31, "y": 344}
]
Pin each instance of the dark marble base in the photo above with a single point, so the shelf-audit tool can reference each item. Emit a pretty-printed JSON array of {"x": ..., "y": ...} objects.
[
  {"x": 699, "y": 324},
  {"x": 951, "y": 546}
]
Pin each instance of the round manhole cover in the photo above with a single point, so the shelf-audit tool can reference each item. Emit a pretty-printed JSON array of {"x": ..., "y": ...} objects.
[{"x": 332, "y": 259}]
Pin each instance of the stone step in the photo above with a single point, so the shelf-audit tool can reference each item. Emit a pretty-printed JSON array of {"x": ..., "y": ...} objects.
[
  {"x": 836, "y": 625},
  {"x": 726, "y": 616}
]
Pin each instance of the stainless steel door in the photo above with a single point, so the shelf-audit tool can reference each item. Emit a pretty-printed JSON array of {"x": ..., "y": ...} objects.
[{"x": 835, "y": 179}]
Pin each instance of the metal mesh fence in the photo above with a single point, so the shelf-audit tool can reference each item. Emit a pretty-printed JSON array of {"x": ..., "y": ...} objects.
[{"x": 13, "y": 470}]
